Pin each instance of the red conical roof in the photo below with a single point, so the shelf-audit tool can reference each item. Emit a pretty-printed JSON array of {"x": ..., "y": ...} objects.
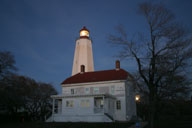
[{"x": 84, "y": 28}]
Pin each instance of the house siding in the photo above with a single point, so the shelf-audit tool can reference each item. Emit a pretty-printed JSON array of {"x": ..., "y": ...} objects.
[{"x": 119, "y": 90}]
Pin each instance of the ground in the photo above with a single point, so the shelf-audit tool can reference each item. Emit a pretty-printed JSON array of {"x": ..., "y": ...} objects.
[
  {"x": 64, "y": 125},
  {"x": 173, "y": 124},
  {"x": 159, "y": 124}
]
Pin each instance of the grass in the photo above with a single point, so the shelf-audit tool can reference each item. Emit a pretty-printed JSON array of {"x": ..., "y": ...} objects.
[
  {"x": 173, "y": 124},
  {"x": 158, "y": 124},
  {"x": 64, "y": 125}
]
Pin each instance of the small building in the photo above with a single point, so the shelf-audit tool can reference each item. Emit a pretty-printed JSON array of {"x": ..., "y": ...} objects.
[{"x": 94, "y": 96}]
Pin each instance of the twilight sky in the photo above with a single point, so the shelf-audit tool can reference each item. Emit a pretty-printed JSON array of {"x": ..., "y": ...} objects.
[{"x": 41, "y": 34}]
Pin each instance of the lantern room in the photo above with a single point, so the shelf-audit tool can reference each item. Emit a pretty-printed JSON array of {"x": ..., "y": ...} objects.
[{"x": 84, "y": 33}]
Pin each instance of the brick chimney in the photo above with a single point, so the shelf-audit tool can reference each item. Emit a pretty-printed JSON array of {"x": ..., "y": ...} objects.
[
  {"x": 117, "y": 64},
  {"x": 82, "y": 68}
]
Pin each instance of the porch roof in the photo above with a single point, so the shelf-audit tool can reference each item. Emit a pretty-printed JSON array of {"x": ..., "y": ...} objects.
[{"x": 82, "y": 95}]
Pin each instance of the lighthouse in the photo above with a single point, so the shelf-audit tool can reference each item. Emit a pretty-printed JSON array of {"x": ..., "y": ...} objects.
[
  {"x": 94, "y": 96},
  {"x": 83, "y": 53}
]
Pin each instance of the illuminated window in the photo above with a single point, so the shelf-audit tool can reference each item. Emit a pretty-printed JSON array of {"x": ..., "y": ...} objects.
[
  {"x": 102, "y": 103},
  {"x": 96, "y": 90},
  {"x": 85, "y": 103},
  {"x": 84, "y": 33},
  {"x": 118, "y": 105},
  {"x": 69, "y": 103},
  {"x": 82, "y": 103}
]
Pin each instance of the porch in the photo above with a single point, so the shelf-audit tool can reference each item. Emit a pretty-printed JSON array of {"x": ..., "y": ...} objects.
[{"x": 87, "y": 108}]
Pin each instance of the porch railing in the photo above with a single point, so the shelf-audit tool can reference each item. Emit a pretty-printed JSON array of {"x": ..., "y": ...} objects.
[{"x": 98, "y": 110}]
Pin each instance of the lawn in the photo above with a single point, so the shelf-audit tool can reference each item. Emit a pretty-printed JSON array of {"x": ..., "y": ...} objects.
[
  {"x": 173, "y": 124},
  {"x": 158, "y": 124},
  {"x": 64, "y": 125}
]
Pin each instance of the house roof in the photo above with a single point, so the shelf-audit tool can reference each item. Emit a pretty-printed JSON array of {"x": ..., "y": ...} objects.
[{"x": 97, "y": 76}]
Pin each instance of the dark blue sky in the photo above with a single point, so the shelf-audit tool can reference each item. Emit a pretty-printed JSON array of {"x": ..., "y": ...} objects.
[{"x": 41, "y": 34}]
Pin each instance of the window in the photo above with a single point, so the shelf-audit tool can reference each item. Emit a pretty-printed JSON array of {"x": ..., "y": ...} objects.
[
  {"x": 98, "y": 102},
  {"x": 118, "y": 105},
  {"x": 69, "y": 103},
  {"x": 72, "y": 91},
  {"x": 87, "y": 90},
  {"x": 84, "y": 103},
  {"x": 112, "y": 89},
  {"x": 96, "y": 90}
]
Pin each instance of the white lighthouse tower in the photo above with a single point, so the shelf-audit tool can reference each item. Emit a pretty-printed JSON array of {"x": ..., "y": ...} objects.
[{"x": 83, "y": 53}]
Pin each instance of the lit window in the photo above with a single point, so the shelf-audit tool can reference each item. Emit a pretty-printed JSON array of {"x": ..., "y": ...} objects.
[
  {"x": 69, "y": 103},
  {"x": 84, "y": 103},
  {"x": 102, "y": 104},
  {"x": 84, "y": 33},
  {"x": 72, "y": 91},
  {"x": 87, "y": 103},
  {"x": 96, "y": 90},
  {"x": 118, "y": 104}
]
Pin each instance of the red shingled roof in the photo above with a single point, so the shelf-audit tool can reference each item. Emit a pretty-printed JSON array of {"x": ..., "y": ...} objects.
[{"x": 106, "y": 75}]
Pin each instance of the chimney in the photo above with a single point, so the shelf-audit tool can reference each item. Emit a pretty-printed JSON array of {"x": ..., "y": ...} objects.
[
  {"x": 117, "y": 64},
  {"x": 82, "y": 68}
]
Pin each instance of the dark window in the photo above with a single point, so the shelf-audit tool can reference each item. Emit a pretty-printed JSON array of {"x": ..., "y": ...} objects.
[
  {"x": 69, "y": 103},
  {"x": 72, "y": 91},
  {"x": 118, "y": 104}
]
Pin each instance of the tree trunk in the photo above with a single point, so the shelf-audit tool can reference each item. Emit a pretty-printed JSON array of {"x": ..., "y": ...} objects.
[{"x": 152, "y": 105}]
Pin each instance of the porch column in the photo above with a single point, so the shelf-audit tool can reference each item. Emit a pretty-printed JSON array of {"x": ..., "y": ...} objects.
[
  {"x": 62, "y": 106},
  {"x": 103, "y": 104},
  {"x": 53, "y": 107},
  {"x": 59, "y": 106}
]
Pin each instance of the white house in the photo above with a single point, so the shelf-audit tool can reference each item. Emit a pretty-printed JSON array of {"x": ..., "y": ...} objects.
[{"x": 94, "y": 96}]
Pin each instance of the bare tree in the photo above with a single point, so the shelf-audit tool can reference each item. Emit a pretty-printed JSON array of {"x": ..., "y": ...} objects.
[
  {"x": 161, "y": 53},
  {"x": 7, "y": 64},
  {"x": 7, "y": 67},
  {"x": 174, "y": 87}
]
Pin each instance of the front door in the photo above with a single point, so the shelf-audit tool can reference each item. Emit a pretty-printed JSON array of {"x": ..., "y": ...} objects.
[{"x": 98, "y": 104}]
